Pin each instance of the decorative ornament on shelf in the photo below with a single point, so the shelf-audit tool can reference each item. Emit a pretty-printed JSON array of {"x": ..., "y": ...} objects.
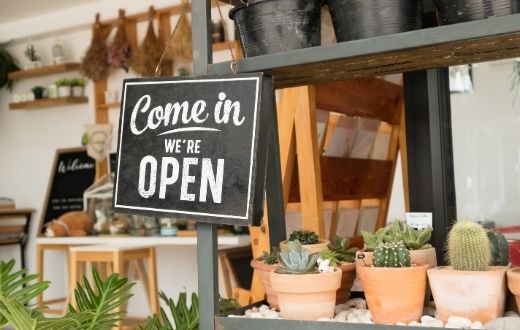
[
  {"x": 94, "y": 64},
  {"x": 147, "y": 56},
  {"x": 38, "y": 92},
  {"x": 58, "y": 52},
  {"x": 120, "y": 52},
  {"x": 33, "y": 59}
]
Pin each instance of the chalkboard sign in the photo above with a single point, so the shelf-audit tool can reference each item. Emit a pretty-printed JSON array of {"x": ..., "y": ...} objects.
[
  {"x": 194, "y": 147},
  {"x": 72, "y": 173}
]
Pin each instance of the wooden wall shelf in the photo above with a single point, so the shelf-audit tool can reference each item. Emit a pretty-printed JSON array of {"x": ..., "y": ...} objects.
[
  {"x": 107, "y": 106},
  {"x": 45, "y": 103},
  {"x": 44, "y": 70}
]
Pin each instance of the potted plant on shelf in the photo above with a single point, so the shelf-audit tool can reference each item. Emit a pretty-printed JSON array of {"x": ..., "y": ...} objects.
[
  {"x": 64, "y": 88},
  {"x": 38, "y": 92},
  {"x": 468, "y": 287},
  {"x": 394, "y": 288},
  {"x": 304, "y": 293},
  {"x": 345, "y": 258},
  {"x": 33, "y": 59},
  {"x": 358, "y": 19},
  {"x": 272, "y": 26},
  {"x": 263, "y": 266},
  {"x": 450, "y": 12},
  {"x": 310, "y": 239},
  {"x": 78, "y": 87}
]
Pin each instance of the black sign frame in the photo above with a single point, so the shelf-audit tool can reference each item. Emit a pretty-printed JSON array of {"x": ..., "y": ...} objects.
[{"x": 264, "y": 113}]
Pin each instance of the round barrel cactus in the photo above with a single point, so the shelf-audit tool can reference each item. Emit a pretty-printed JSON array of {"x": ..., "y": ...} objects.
[
  {"x": 468, "y": 247},
  {"x": 499, "y": 248},
  {"x": 391, "y": 255}
]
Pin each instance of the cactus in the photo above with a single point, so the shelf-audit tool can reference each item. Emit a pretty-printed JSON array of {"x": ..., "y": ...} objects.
[
  {"x": 305, "y": 237},
  {"x": 499, "y": 248},
  {"x": 295, "y": 259},
  {"x": 468, "y": 247},
  {"x": 391, "y": 255}
]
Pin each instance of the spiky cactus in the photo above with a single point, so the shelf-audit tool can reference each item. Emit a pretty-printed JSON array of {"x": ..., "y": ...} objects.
[
  {"x": 295, "y": 259},
  {"x": 468, "y": 247},
  {"x": 391, "y": 255},
  {"x": 499, "y": 248}
]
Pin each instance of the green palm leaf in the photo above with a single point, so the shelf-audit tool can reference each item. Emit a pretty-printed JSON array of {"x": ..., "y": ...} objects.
[{"x": 101, "y": 301}]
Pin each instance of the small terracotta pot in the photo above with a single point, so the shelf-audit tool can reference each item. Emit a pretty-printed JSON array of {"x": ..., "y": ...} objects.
[
  {"x": 306, "y": 296},
  {"x": 311, "y": 248},
  {"x": 513, "y": 282},
  {"x": 264, "y": 273},
  {"x": 479, "y": 296},
  {"x": 348, "y": 275},
  {"x": 394, "y": 294}
]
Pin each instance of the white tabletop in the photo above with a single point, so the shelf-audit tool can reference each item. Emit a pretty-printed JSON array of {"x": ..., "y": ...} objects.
[{"x": 224, "y": 240}]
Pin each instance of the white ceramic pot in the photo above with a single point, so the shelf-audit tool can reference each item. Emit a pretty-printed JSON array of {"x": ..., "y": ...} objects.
[
  {"x": 77, "y": 91},
  {"x": 64, "y": 91}
]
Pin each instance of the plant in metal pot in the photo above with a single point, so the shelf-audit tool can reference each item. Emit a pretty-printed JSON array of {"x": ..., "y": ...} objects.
[
  {"x": 346, "y": 262},
  {"x": 394, "y": 287},
  {"x": 64, "y": 87},
  {"x": 451, "y": 12},
  {"x": 310, "y": 239},
  {"x": 263, "y": 266},
  {"x": 304, "y": 293},
  {"x": 78, "y": 86},
  {"x": 469, "y": 286}
]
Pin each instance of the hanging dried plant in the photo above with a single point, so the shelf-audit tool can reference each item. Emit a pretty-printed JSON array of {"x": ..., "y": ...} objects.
[
  {"x": 145, "y": 59},
  {"x": 94, "y": 64},
  {"x": 119, "y": 52},
  {"x": 181, "y": 45}
]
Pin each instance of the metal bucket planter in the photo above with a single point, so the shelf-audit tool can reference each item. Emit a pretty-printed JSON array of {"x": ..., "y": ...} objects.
[
  {"x": 458, "y": 11},
  {"x": 359, "y": 19},
  {"x": 272, "y": 26}
]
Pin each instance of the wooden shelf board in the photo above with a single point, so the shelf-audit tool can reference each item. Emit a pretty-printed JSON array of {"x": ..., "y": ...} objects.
[
  {"x": 107, "y": 106},
  {"x": 45, "y": 103},
  {"x": 478, "y": 41},
  {"x": 44, "y": 70}
]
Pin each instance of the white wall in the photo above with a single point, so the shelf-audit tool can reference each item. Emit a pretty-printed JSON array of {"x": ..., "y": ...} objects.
[{"x": 486, "y": 146}]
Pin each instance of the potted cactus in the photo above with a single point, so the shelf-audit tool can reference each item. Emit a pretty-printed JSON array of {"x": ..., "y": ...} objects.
[
  {"x": 394, "y": 288},
  {"x": 469, "y": 286},
  {"x": 304, "y": 293},
  {"x": 263, "y": 266},
  {"x": 345, "y": 258},
  {"x": 310, "y": 239}
]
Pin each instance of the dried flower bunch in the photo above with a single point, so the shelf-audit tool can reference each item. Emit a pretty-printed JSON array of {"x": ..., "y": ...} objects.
[
  {"x": 120, "y": 52},
  {"x": 94, "y": 64},
  {"x": 145, "y": 59}
]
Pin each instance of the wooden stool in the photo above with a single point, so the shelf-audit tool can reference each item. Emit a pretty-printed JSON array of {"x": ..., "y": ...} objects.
[{"x": 116, "y": 259}]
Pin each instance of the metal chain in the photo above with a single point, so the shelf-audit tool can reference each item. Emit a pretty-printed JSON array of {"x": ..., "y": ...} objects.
[
  {"x": 234, "y": 63},
  {"x": 158, "y": 68}
]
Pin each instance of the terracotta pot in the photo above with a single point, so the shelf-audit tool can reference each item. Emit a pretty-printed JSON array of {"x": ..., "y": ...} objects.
[
  {"x": 479, "y": 296},
  {"x": 513, "y": 282},
  {"x": 394, "y": 294},
  {"x": 348, "y": 275},
  {"x": 264, "y": 273},
  {"x": 311, "y": 248},
  {"x": 306, "y": 296}
]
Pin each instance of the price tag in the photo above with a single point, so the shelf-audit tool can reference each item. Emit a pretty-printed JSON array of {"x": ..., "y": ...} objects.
[{"x": 419, "y": 220}]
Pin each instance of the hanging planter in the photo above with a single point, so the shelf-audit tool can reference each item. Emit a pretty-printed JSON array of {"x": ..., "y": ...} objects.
[
  {"x": 272, "y": 26},
  {"x": 359, "y": 19},
  {"x": 458, "y": 11}
]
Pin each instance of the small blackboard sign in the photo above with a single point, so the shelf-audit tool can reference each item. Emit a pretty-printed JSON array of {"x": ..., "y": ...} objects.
[
  {"x": 72, "y": 173},
  {"x": 194, "y": 147}
]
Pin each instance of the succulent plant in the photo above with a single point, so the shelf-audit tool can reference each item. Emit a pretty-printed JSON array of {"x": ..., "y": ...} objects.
[
  {"x": 270, "y": 258},
  {"x": 340, "y": 247},
  {"x": 295, "y": 259},
  {"x": 305, "y": 237},
  {"x": 499, "y": 248},
  {"x": 371, "y": 240},
  {"x": 391, "y": 255},
  {"x": 414, "y": 239},
  {"x": 417, "y": 239},
  {"x": 333, "y": 256},
  {"x": 468, "y": 247}
]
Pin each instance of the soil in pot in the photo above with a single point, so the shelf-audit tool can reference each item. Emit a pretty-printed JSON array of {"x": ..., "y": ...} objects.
[
  {"x": 311, "y": 248},
  {"x": 394, "y": 294},
  {"x": 513, "y": 282},
  {"x": 358, "y": 19},
  {"x": 348, "y": 275},
  {"x": 306, "y": 297},
  {"x": 458, "y": 11},
  {"x": 264, "y": 273},
  {"x": 477, "y": 295},
  {"x": 272, "y": 26}
]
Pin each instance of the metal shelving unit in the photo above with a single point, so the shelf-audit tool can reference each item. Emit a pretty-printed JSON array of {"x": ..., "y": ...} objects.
[{"x": 423, "y": 56}]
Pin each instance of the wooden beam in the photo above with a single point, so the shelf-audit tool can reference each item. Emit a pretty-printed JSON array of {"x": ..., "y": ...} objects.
[{"x": 348, "y": 178}]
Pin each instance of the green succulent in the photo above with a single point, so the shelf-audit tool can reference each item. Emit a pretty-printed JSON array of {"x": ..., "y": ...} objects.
[
  {"x": 417, "y": 239},
  {"x": 499, "y": 248},
  {"x": 295, "y": 259},
  {"x": 340, "y": 247},
  {"x": 270, "y": 258},
  {"x": 63, "y": 82},
  {"x": 78, "y": 82},
  {"x": 305, "y": 237},
  {"x": 391, "y": 255},
  {"x": 414, "y": 239},
  {"x": 372, "y": 240},
  {"x": 330, "y": 255}
]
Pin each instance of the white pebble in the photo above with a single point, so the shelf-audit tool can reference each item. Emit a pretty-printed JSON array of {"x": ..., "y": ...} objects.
[
  {"x": 233, "y": 315},
  {"x": 452, "y": 326},
  {"x": 477, "y": 325},
  {"x": 271, "y": 314},
  {"x": 325, "y": 319},
  {"x": 248, "y": 313},
  {"x": 461, "y": 322},
  {"x": 351, "y": 318},
  {"x": 360, "y": 312},
  {"x": 511, "y": 314},
  {"x": 414, "y": 323},
  {"x": 256, "y": 315},
  {"x": 342, "y": 316},
  {"x": 254, "y": 309},
  {"x": 504, "y": 323},
  {"x": 340, "y": 308}
]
